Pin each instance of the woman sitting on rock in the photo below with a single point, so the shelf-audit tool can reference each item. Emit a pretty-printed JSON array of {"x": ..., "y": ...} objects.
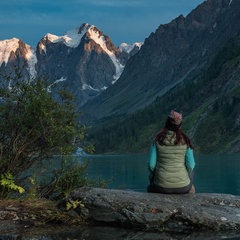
[{"x": 171, "y": 168}]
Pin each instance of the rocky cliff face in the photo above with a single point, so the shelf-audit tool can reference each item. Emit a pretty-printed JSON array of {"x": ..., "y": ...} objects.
[
  {"x": 86, "y": 65},
  {"x": 176, "y": 52},
  {"x": 83, "y": 60}
]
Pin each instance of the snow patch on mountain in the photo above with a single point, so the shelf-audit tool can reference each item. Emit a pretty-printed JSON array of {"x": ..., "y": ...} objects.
[
  {"x": 88, "y": 87},
  {"x": 6, "y": 47},
  {"x": 103, "y": 88},
  {"x": 71, "y": 38},
  {"x": 32, "y": 61},
  {"x": 124, "y": 47},
  {"x": 62, "y": 79}
]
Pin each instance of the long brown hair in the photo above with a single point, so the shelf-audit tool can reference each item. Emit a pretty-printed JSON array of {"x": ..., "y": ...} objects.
[{"x": 181, "y": 137}]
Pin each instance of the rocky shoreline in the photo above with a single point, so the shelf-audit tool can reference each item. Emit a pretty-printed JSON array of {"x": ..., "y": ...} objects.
[
  {"x": 184, "y": 214},
  {"x": 158, "y": 212}
]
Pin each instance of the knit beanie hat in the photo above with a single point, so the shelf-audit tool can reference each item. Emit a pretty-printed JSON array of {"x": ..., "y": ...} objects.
[{"x": 175, "y": 117}]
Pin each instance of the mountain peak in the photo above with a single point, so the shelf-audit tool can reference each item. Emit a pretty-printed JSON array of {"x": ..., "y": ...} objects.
[
  {"x": 125, "y": 47},
  {"x": 72, "y": 38},
  {"x": 83, "y": 28},
  {"x": 7, "y": 46}
]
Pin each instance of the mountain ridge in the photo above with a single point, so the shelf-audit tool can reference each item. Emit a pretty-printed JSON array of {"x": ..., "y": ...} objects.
[
  {"x": 84, "y": 60},
  {"x": 208, "y": 97},
  {"x": 175, "y": 52},
  {"x": 210, "y": 105}
]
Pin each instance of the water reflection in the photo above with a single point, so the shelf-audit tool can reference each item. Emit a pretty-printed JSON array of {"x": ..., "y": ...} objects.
[{"x": 107, "y": 233}]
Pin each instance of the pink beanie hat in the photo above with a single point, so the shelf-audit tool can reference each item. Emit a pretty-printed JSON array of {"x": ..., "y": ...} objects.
[{"x": 176, "y": 118}]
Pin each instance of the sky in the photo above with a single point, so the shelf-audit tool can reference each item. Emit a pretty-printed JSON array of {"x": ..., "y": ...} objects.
[{"x": 126, "y": 21}]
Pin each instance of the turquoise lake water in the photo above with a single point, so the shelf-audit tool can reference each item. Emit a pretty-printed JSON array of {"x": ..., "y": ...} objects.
[{"x": 214, "y": 173}]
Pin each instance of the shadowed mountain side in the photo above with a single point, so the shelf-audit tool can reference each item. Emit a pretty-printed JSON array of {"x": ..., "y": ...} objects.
[{"x": 176, "y": 52}]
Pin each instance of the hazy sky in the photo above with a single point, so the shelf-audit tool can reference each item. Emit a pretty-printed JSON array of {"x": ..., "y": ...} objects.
[{"x": 122, "y": 20}]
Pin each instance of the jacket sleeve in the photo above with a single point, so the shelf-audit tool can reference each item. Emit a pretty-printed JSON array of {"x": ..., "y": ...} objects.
[
  {"x": 152, "y": 158},
  {"x": 189, "y": 160}
]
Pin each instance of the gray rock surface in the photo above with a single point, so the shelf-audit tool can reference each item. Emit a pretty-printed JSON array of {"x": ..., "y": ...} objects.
[{"x": 161, "y": 212}]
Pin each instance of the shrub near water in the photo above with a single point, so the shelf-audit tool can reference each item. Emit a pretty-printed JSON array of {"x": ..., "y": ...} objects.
[{"x": 33, "y": 127}]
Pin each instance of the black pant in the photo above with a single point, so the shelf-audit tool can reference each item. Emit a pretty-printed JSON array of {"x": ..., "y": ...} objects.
[{"x": 153, "y": 188}]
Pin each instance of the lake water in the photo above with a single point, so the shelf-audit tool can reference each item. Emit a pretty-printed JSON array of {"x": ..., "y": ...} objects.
[{"x": 214, "y": 173}]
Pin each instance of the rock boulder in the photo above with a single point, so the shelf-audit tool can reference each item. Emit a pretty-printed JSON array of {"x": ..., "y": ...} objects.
[{"x": 162, "y": 212}]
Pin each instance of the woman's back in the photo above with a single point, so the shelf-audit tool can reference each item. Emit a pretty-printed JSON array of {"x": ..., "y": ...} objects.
[{"x": 170, "y": 171}]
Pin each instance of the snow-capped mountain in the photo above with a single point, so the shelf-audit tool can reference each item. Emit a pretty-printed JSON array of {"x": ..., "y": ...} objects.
[
  {"x": 14, "y": 52},
  {"x": 131, "y": 48},
  {"x": 84, "y": 60}
]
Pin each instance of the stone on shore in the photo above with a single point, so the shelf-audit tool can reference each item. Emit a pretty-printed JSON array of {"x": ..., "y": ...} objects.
[{"x": 161, "y": 212}]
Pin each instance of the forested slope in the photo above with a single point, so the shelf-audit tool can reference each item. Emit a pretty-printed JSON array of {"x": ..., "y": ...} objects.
[{"x": 210, "y": 103}]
